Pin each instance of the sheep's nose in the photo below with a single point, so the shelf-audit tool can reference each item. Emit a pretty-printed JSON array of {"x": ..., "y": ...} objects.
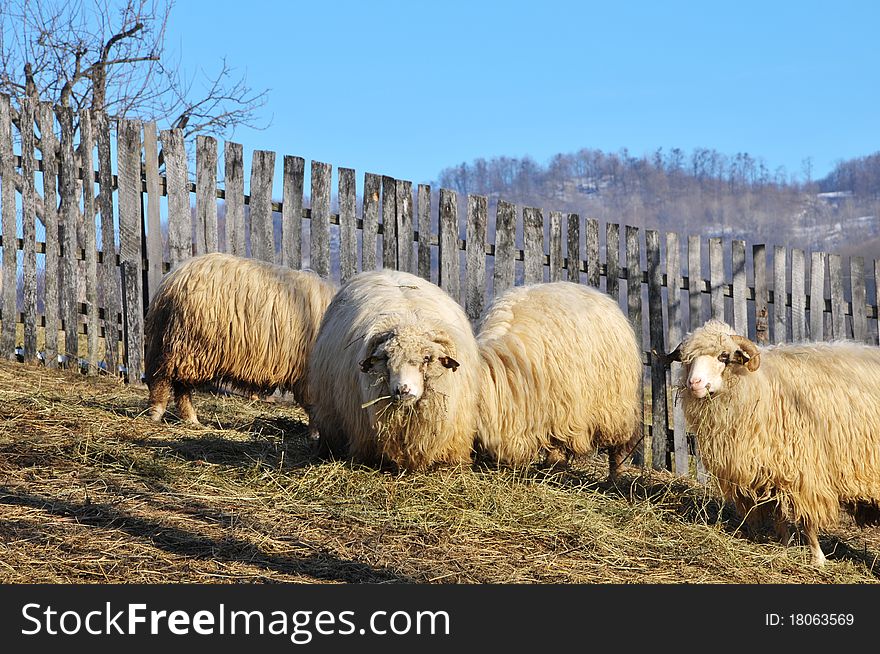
[
  {"x": 401, "y": 390},
  {"x": 695, "y": 381}
]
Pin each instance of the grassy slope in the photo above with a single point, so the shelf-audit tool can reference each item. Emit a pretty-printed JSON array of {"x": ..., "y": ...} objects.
[{"x": 92, "y": 491}]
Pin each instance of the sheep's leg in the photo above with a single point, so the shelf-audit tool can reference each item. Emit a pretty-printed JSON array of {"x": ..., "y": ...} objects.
[
  {"x": 818, "y": 558},
  {"x": 556, "y": 456},
  {"x": 160, "y": 392},
  {"x": 185, "y": 408}
]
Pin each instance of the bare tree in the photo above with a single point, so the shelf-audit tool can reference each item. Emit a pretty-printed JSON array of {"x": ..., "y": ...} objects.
[{"x": 110, "y": 55}]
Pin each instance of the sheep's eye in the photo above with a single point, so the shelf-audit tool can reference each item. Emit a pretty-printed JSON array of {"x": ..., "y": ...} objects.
[
  {"x": 428, "y": 358},
  {"x": 724, "y": 357}
]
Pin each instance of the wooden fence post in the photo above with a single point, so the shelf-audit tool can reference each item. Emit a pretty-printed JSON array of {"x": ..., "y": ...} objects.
[
  {"x": 475, "y": 260},
  {"x": 659, "y": 419},
  {"x": 424, "y": 211},
  {"x": 449, "y": 258},
  {"x": 320, "y": 225},
  {"x": 347, "y": 194},
  {"x": 233, "y": 166},
  {"x": 505, "y": 246}
]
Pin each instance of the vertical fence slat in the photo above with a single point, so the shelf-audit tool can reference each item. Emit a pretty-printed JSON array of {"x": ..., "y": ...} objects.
[
  {"x": 177, "y": 182},
  {"x": 424, "y": 211},
  {"x": 780, "y": 294},
  {"x": 69, "y": 218},
  {"x": 404, "y": 219},
  {"x": 389, "y": 222},
  {"x": 50, "y": 221},
  {"x": 29, "y": 229},
  {"x": 838, "y": 303},
  {"x": 475, "y": 275},
  {"x": 347, "y": 196},
  {"x": 817, "y": 296},
  {"x": 320, "y": 205},
  {"x": 762, "y": 313},
  {"x": 505, "y": 244},
  {"x": 591, "y": 237},
  {"x": 695, "y": 283},
  {"x": 877, "y": 293},
  {"x": 659, "y": 419},
  {"x": 634, "y": 311},
  {"x": 859, "y": 309},
  {"x": 574, "y": 248},
  {"x": 612, "y": 260},
  {"x": 233, "y": 202},
  {"x": 10, "y": 242},
  {"x": 206, "y": 194},
  {"x": 675, "y": 322},
  {"x": 798, "y": 297},
  {"x": 449, "y": 258},
  {"x": 260, "y": 202},
  {"x": 292, "y": 210},
  {"x": 130, "y": 221},
  {"x": 90, "y": 245},
  {"x": 555, "y": 246},
  {"x": 370, "y": 221},
  {"x": 533, "y": 245},
  {"x": 716, "y": 278},
  {"x": 154, "y": 220},
  {"x": 740, "y": 308},
  {"x": 112, "y": 298}
]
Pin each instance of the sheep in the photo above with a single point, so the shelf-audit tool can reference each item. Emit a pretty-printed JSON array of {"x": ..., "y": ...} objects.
[
  {"x": 227, "y": 319},
  {"x": 561, "y": 375},
  {"x": 792, "y": 427},
  {"x": 393, "y": 374}
]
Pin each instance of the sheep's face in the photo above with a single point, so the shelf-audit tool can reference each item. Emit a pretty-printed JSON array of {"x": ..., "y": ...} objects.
[
  {"x": 713, "y": 356},
  {"x": 407, "y": 359}
]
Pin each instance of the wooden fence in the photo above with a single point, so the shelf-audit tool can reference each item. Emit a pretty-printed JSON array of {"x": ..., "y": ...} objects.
[{"x": 94, "y": 290}]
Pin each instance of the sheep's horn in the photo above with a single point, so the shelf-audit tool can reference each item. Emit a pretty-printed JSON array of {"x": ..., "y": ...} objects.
[
  {"x": 666, "y": 359},
  {"x": 753, "y": 360}
]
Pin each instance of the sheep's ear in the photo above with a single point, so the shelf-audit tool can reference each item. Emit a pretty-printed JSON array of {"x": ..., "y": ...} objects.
[
  {"x": 366, "y": 364},
  {"x": 448, "y": 362},
  {"x": 747, "y": 353}
]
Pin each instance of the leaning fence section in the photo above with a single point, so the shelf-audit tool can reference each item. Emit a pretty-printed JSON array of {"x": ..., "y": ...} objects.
[{"x": 85, "y": 246}]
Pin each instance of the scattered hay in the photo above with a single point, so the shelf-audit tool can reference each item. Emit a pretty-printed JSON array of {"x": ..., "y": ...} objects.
[{"x": 92, "y": 491}]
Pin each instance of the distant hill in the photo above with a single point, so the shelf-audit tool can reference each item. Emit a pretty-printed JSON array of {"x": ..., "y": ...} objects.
[{"x": 701, "y": 192}]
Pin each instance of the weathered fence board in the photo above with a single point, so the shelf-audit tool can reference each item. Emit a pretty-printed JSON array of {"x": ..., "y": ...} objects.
[
  {"x": 28, "y": 230},
  {"x": 859, "y": 312},
  {"x": 370, "y": 221},
  {"x": 347, "y": 195},
  {"x": 292, "y": 187},
  {"x": 450, "y": 266},
  {"x": 573, "y": 248},
  {"x": 716, "y": 278},
  {"x": 49, "y": 145},
  {"x": 612, "y": 260},
  {"x": 817, "y": 296},
  {"x": 798, "y": 297},
  {"x": 111, "y": 293},
  {"x": 233, "y": 198},
  {"x": 475, "y": 277},
  {"x": 740, "y": 308},
  {"x": 659, "y": 418},
  {"x": 155, "y": 251},
  {"x": 90, "y": 244},
  {"x": 695, "y": 283},
  {"x": 389, "y": 222},
  {"x": 404, "y": 219},
  {"x": 556, "y": 262},
  {"x": 70, "y": 248},
  {"x": 675, "y": 324},
  {"x": 780, "y": 292},
  {"x": 762, "y": 312},
  {"x": 260, "y": 202},
  {"x": 10, "y": 251},
  {"x": 133, "y": 324},
  {"x": 533, "y": 245},
  {"x": 505, "y": 244},
  {"x": 130, "y": 224},
  {"x": 206, "y": 194},
  {"x": 591, "y": 237},
  {"x": 634, "y": 311},
  {"x": 838, "y": 303},
  {"x": 319, "y": 248},
  {"x": 424, "y": 211},
  {"x": 177, "y": 183}
]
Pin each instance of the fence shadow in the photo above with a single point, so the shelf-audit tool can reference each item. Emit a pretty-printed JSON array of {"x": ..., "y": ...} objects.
[{"x": 319, "y": 566}]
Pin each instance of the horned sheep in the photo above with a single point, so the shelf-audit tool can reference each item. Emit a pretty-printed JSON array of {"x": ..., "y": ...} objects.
[
  {"x": 792, "y": 427},
  {"x": 393, "y": 374},
  {"x": 227, "y": 319},
  {"x": 561, "y": 375}
]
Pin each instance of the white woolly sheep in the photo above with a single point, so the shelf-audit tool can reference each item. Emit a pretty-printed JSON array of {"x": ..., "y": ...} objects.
[
  {"x": 561, "y": 374},
  {"x": 226, "y": 319},
  {"x": 393, "y": 374},
  {"x": 792, "y": 427}
]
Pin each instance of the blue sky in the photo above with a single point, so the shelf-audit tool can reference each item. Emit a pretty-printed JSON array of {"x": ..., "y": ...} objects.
[{"x": 408, "y": 88}]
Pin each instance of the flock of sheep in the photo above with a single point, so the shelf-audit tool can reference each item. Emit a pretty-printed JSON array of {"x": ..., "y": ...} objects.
[{"x": 392, "y": 373}]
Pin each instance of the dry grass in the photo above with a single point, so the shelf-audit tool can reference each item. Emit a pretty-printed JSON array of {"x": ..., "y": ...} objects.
[{"x": 92, "y": 491}]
